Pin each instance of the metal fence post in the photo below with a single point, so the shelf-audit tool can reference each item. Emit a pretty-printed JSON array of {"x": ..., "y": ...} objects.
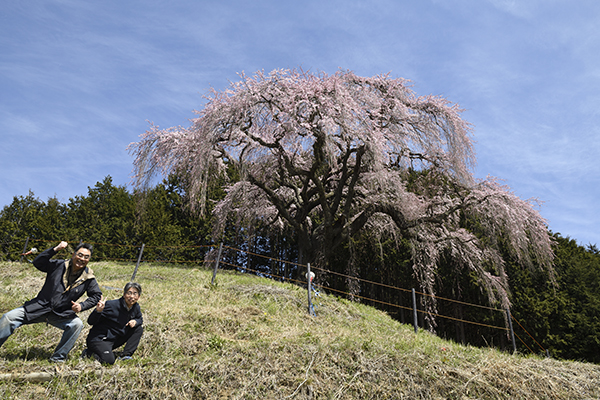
[
  {"x": 212, "y": 282},
  {"x": 512, "y": 332},
  {"x": 138, "y": 263},
  {"x": 24, "y": 249},
  {"x": 309, "y": 278},
  {"x": 415, "y": 321}
]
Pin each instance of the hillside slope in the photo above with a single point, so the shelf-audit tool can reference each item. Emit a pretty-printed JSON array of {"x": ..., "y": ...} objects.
[{"x": 252, "y": 338}]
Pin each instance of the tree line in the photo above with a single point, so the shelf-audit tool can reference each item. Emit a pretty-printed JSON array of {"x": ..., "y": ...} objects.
[
  {"x": 560, "y": 313},
  {"x": 108, "y": 214}
]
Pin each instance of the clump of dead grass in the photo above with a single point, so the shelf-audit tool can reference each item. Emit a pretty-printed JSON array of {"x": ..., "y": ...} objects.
[{"x": 252, "y": 338}]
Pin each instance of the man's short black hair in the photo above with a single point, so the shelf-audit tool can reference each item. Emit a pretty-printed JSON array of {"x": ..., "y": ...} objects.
[
  {"x": 134, "y": 285},
  {"x": 84, "y": 246}
]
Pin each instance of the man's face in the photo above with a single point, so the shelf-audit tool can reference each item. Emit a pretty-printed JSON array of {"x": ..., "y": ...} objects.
[
  {"x": 80, "y": 259},
  {"x": 131, "y": 296}
]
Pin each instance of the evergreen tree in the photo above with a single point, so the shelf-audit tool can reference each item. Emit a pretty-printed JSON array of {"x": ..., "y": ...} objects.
[
  {"x": 105, "y": 217},
  {"x": 565, "y": 319},
  {"x": 20, "y": 220}
]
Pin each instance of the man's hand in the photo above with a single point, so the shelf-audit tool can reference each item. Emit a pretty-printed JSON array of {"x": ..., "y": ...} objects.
[
  {"x": 101, "y": 304},
  {"x": 60, "y": 246},
  {"x": 131, "y": 324},
  {"x": 75, "y": 306}
]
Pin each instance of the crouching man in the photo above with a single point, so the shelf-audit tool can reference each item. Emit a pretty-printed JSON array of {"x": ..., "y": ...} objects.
[
  {"x": 66, "y": 281},
  {"x": 115, "y": 323}
]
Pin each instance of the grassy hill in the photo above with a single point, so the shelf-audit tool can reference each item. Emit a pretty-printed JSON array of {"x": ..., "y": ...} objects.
[{"x": 252, "y": 338}]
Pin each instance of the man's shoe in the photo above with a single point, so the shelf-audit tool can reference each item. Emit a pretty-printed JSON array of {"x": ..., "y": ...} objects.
[{"x": 124, "y": 358}]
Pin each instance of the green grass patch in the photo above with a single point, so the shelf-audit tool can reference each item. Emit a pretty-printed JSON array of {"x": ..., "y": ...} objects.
[{"x": 252, "y": 338}]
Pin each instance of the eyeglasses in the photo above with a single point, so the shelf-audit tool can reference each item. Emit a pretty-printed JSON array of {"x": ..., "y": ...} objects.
[
  {"x": 84, "y": 256},
  {"x": 132, "y": 293}
]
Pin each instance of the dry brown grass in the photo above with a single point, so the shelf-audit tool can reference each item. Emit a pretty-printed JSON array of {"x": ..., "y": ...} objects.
[{"x": 251, "y": 338}]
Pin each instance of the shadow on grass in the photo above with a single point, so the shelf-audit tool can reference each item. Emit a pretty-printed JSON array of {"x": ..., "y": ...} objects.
[{"x": 32, "y": 354}]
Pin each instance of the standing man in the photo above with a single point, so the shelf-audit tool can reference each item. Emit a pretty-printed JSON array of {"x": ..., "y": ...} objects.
[
  {"x": 55, "y": 304},
  {"x": 116, "y": 323}
]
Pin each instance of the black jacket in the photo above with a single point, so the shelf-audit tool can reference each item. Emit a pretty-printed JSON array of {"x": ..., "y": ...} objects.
[
  {"x": 110, "y": 323},
  {"x": 55, "y": 296}
]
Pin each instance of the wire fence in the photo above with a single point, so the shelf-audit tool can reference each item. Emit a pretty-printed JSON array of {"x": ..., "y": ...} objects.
[{"x": 291, "y": 272}]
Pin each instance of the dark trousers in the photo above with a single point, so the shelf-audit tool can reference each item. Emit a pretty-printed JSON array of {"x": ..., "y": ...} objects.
[{"x": 103, "y": 349}]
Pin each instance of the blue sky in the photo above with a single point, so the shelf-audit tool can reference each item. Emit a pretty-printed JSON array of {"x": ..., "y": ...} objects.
[{"x": 79, "y": 81}]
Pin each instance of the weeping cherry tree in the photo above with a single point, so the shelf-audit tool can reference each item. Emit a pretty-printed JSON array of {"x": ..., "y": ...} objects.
[{"x": 329, "y": 156}]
